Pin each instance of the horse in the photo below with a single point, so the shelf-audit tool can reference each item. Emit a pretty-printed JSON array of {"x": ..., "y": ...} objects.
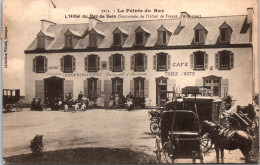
[{"x": 223, "y": 138}]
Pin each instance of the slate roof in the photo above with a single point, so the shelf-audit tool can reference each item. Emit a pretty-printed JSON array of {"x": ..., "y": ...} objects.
[{"x": 184, "y": 35}]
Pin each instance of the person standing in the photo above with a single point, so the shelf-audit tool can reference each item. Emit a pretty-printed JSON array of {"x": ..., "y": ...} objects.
[
  {"x": 33, "y": 104},
  {"x": 111, "y": 104},
  {"x": 117, "y": 99},
  {"x": 38, "y": 105},
  {"x": 80, "y": 96}
]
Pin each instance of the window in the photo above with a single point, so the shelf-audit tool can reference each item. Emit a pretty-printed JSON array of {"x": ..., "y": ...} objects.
[
  {"x": 199, "y": 60},
  {"x": 162, "y": 37},
  {"x": 92, "y": 63},
  {"x": 224, "y": 35},
  {"x": 139, "y": 62},
  {"x": 68, "y": 41},
  {"x": 40, "y": 64},
  {"x": 224, "y": 60},
  {"x": 139, "y": 38},
  {"x": 139, "y": 87},
  {"x": 162, "y": 62},
  {"x": 199, "y": 36},
  {"x": 117, "y": 39},
  {"x": 68, "y": 64},
  {"x": 117, "y": 63},
  {"x": 117, "y": 86},
  {"x": 92, "y": 88},
  {"x": 93, "y": 40},
  {"x": 40, "y": 42}
]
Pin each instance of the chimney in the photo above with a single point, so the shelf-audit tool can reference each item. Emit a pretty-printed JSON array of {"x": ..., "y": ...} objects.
[
  {"x": 250, "y": 13},
  {"x": 184, "y": 14},
  {"x": 92, "y": 22},
  {"x": 45, "y": 24}
]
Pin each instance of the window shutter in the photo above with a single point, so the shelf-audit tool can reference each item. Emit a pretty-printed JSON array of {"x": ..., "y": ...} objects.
[
  {"x": 62, "y": 64},
  {"x": 224, "y": 88},
  {"x": 39, "y": 89},
  {"x": 154, "y": 62},
  {"x": 86, "y": 87},
  {"x": 231, "y": 60},
  {"x": 111, "y": 63},
  {"x": 45, "y": 64},
  {"x": 168, "y": 62},
  {"x": 132, "y": 62},
  {"x": 217, "y": 61},
  {"x": 98, "y": 63},
  {"x": 192, "y": 61},
  {"x": 122, "y": 63},
  {"x": 86, "y": 63},
  {"x": 73, "y": 63},
  {"x": 132, "y": 87},
  {"x": 34, "y": 65},
  {"x": 145, "y": 62},
  {"x": 146, "y": 88},
  {"x": 98, "y": 87},
  {"x": 206, "y": 61}
]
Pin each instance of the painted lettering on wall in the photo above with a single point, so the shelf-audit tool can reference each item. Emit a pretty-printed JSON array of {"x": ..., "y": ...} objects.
[
  {"x": 179, "y": 73},
  {"x": 180, "y": 64}
]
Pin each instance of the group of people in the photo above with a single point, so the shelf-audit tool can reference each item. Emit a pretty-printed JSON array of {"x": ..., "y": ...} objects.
[
  {"x": 83, "y": 102},
  {"x": 36, "y": 105}
]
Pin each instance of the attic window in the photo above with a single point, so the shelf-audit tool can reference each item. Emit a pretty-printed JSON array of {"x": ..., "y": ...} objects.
[
  {"x": 40, "y": 42},
  {"x": 162, "y": 37},
  {"x": 68, "y": 41},
  {"x": 199, "y": 36},
  {"x": 117, "y": 39},
  {"x": 224, "y": 35},
  {"x": 93, "y": 40},
  {"x": 139, "y": 38}
]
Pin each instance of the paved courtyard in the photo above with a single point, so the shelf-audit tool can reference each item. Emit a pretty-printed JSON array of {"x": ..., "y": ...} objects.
[{"x": 92, "y": 128}]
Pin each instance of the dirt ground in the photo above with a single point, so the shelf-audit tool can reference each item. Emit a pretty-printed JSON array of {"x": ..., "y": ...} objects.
[{"x": 92, "y": 128}]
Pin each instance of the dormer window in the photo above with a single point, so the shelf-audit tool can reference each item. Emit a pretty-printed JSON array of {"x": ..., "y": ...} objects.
[
  {"x": 44, "y": 39},
  {"x": 117, "y": 39},
  {"x": 163, "y": 35},
  {"x": 225, "y": 33},
  {"x": 71, "y": 38},
  {"x": 199, "y": 34},
  {"x": 40, "y": 43},
  {"x": 141, "y": 36},
  {"x": 68, "y": 41},
  {"x": 93, "y": 40}
]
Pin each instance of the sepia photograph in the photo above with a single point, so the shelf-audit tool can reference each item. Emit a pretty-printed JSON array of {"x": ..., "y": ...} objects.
[{"x": 130, "y": 82}]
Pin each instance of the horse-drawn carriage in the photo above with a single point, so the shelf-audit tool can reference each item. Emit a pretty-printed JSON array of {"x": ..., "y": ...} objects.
[
  {"x": 179, "y": 137},
  {"x": 11, "y": 98}
]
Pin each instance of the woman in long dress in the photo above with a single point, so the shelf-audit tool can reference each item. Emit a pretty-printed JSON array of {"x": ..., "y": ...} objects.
[
  {"x": 117, "y": 99},
  {"x": 111, "y": 104},
  {"x": 100, "y": 100}
]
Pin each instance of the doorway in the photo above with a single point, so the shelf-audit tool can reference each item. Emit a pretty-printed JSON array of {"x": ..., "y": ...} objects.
[
  {"x": 117, "y": 86},
  {"x": 53, "y": 88},
  {"x": 161, "y": 84}
]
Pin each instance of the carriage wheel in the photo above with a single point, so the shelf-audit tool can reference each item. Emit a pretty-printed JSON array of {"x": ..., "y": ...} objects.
[
  {"x": 230, "y": 123},
  {"x": 8, "y": 108},
  {"x": 19, "y": 106},
  {"x": 206, "y": 143},
  {"x": 154, "y": 127}
]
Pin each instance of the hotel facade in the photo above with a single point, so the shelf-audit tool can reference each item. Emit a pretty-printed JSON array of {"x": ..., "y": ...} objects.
[{"x": 142, "y": 57}]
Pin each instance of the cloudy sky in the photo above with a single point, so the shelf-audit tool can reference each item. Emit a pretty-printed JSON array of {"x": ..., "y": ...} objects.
[{"x": 22, "y": 17}]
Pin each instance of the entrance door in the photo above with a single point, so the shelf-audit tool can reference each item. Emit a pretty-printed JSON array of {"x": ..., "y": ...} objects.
[
  {"x": 161, "y": 84},
  {"x": 117, "y": 86},
  {"x": 53, "y": 88}
]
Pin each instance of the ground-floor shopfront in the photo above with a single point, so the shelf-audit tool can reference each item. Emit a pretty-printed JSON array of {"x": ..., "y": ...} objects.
[{"x": 142, "y": 86}]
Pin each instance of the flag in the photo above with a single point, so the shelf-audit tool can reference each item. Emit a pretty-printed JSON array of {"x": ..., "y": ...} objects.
[{"x": 53, "y": 4}]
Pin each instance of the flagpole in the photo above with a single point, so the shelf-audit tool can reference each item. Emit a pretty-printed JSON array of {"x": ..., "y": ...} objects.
[{"x": 49, "y": 10}]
